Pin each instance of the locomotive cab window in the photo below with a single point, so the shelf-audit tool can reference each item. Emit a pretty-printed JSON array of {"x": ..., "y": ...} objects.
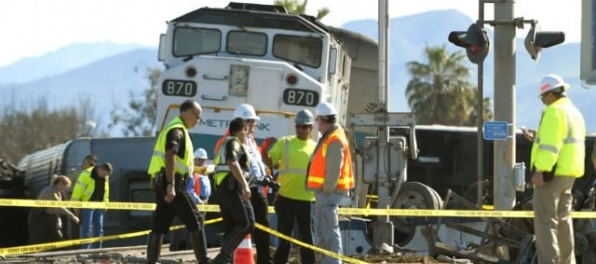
[
  {"x": 194, "y": 41},
  {"x": 247, "y": 43},
  {"x": 299, "y": 49}
]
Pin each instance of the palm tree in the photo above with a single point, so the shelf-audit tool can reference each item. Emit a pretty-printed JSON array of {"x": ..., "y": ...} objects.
[
  {"x": 297, "y": 7},
  {"x": 439, "y": 92}
]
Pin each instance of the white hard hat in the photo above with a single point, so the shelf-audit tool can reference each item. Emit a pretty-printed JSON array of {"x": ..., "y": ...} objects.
[
  {"x": 201, "y": 153},
  {"x": 552, "y": 82},
  {"x": 246, "y": 111},
  {"x": 304, "y": 117},
  {"x": 325, "y": 109}
]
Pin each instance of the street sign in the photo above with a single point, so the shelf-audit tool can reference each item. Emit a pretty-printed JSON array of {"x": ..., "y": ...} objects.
[{"x": 495, "y": 130}]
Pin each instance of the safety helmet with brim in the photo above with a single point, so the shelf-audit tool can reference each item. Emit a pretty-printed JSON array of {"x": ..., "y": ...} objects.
[
  {"x": 553, "y": 83},
  {"x": 246, "y": 111}
]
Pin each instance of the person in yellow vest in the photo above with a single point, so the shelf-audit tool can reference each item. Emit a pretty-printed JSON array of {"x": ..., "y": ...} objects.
[
  {"x": 93, "y": 186},
  {"x": 290, "y": 155},
  {"x": 72, "y": 227},
  {"x": 232, "y": 176},
  {"x": 171, "y": 166},
  {"x": 329, "y": 175},
  {"x": 558, "y": 154},
  {"x": 199, "y": 190}
]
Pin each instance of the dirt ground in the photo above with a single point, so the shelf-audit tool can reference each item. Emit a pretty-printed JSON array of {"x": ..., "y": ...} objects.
[{"x": 138, "y": 256}]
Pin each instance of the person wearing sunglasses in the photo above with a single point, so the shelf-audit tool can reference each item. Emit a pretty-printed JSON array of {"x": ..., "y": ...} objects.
[
  {"x": 171, "y": 166},
  {"x": 290, "y": 156},
  {"x": 557, "y": 159},
  {"x": 330, "y": 176}
]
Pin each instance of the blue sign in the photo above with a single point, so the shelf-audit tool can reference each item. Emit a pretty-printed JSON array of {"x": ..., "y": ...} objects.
[{"x": 495, "y": 130}]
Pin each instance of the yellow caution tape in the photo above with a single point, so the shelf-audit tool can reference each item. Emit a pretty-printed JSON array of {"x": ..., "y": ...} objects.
[
  {"x": 75, "y": 242},
  {"x": 342, "y": 211},
  {"x": 309, "y": 246}
]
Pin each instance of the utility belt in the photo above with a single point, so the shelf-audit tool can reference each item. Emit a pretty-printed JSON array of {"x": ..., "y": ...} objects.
[
  {"x": 180, "y": 181},
  {"x": 225, "y": 179}
]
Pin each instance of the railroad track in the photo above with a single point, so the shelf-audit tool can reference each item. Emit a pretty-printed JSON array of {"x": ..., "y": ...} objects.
[{"x": 130, "y": 254}]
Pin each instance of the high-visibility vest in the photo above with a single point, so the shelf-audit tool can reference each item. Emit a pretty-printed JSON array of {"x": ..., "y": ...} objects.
[
  {"x": 263, "y": 148},
  {"x": 317, "y": 168},
  {"x": 221, "y": 166},
  {"x": 202, "y": 185},
  {"x": 85, "y": 186},
  {"x": 560, "y": 140},
  {"x": 293, "y": 160},
  {"x": 183, "y": 166}
]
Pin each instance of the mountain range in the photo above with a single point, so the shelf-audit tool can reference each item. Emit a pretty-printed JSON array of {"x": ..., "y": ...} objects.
[{"x": 108, "y": 72}]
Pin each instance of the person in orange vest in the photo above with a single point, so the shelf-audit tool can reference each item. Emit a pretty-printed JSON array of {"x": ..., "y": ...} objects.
[
  {"x": 200, "y": 187},
  {"x": 329, "y": 175}
]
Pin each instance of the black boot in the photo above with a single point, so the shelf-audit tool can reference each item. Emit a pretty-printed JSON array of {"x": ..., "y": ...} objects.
[
  {"x": 154, "y": 247},
  {"x": 199, "y": 246},
  {"x": 221, "y": 259}
]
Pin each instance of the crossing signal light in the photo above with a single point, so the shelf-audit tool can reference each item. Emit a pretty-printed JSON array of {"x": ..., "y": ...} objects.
[
  {"x": 537, "y": 40},
  {"x": 475, "y": 41}
]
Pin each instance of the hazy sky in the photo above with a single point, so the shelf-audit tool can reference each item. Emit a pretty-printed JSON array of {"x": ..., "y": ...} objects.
[{"x": 32, "y": 28}]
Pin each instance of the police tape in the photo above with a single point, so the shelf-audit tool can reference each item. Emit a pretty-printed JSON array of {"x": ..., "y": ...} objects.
[
  {"x": 342, "y": 211},
  {"x": 309, "y": 246},
  {"x": 75, "y": 242}
]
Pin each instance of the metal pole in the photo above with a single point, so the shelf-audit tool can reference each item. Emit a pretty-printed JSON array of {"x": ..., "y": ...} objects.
[
  {"x": 479, "y": 139},
  {"x": 383, "y": 228},
  {"x": 504, "y": 151}
]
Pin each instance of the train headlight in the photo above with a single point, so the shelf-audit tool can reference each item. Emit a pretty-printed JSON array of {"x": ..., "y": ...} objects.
[
  {"x": 239, "y": 80},
  {"x": 190, "y": 71},
  {"x": 291, "y": 79}
]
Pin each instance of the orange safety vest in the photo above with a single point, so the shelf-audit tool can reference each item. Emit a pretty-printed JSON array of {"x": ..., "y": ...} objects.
[
  {"x": 197, "y": 184},
  {"x": 316, "y": 171}
]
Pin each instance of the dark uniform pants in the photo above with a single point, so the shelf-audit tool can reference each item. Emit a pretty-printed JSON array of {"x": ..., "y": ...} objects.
[
  {"x": 182, "y": 206},
  {"x": 238, "y": 219},
  {"x": 262, "y": 242},
  {"x": 290, "y": 211}
]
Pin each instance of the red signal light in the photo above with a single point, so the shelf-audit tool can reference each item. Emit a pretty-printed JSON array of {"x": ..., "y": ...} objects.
[{"x": 475, "y": 49}]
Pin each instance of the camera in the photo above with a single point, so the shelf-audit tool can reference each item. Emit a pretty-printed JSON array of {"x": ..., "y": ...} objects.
[{"x": 269, "y": 182}]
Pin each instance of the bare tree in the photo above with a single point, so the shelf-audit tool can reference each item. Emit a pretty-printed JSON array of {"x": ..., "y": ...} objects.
[
  {"x": 29, "y": 129},
  {"x": 139, "y": 118}
]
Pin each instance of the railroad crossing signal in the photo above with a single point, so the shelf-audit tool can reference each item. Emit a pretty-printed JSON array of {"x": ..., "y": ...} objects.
[
  {"x": 537, "y": 40},
  {"x": 475, "y": 41}
]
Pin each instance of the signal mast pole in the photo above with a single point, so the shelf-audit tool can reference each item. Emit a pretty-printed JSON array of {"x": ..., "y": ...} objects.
[
  {"x": 504, "y": 151},
  {"x": 383, "y": 228}
]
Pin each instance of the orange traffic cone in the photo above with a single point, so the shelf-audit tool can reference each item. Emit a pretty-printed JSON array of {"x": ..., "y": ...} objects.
[{"x": 244, "y": 253}]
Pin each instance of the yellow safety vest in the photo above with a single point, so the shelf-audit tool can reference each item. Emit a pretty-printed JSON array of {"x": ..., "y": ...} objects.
[
  {"x": 221, "y": 166},
  {"x": 293, "y": 160},
  {"x": 560, "y": 140},
  {"x": 85, "y": 186},
  {"x": 183, "y": 166}
]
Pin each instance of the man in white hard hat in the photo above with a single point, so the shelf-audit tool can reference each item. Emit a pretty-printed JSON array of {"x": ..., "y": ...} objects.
[
  {"x": 294, "y": 203},
  {"x": 329, "y": 175},
  {"x": 557, "y": 160},
  {"x": 258, "y": 172}
]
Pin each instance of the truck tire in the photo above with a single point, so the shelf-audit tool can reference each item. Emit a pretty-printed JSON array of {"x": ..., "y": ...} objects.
[{"x": 412, "y": 195}]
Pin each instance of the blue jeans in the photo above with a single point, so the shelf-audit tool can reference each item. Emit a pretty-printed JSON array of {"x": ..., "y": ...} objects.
[
  {"x": 92, "y": 218},
  {"x": 327, "y": 224}
]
